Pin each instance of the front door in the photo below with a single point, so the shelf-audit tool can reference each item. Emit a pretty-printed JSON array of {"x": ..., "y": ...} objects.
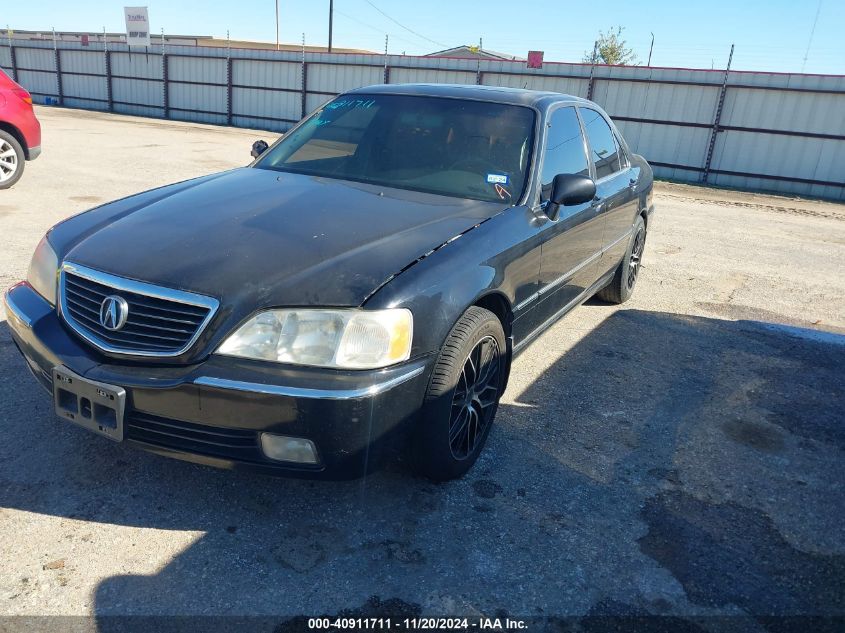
[
  {"x": 615, "y": 181},
  {"x": 572, "y": 243}
]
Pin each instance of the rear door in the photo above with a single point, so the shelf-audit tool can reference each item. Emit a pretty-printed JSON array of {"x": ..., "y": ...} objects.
[
  {"x": 615, "y": 187},
  {"x": 571, "y": 244}
]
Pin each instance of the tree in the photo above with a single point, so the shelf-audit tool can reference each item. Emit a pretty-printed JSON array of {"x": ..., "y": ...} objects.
[{"x": 610, "y": 49}]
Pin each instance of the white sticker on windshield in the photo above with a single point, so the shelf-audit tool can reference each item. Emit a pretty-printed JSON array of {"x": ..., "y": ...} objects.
[{"x": 499, "y": 179}]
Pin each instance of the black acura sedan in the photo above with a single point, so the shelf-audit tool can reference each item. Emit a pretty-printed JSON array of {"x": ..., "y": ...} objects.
[{"x": 363, "y": 285}]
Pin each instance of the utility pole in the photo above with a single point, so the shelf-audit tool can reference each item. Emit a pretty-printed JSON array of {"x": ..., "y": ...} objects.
[
  {"x": 277, "y": 24},
  {"x": 331, "y": 19},
  {"x": 651, "y": 48}
]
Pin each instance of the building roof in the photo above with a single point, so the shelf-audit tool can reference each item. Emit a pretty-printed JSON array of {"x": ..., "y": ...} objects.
[
  {"x": 472, "y": 52},
  {"x": 213, "y": 41},
  {"x": 185, "y": 40}
]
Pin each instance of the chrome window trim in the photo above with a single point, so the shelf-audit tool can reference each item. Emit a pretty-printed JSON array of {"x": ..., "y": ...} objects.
[
  {"x": 137, "y": 287},
  {"x": 305, "y": 392}
]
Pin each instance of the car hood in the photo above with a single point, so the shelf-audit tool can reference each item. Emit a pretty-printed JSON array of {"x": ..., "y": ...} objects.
[{"x": 257, "y": 238}]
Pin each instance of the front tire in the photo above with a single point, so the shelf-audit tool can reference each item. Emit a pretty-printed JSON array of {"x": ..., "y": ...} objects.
[
  {"x": 462, "y": 397},
  {"x": 621, "y": 287},
  {"x": 12, "y": 160}
]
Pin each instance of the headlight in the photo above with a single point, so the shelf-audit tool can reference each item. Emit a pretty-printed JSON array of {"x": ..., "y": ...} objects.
[
  {"x": 43, "y": 271},
  {"x": 350, "y": 339}
]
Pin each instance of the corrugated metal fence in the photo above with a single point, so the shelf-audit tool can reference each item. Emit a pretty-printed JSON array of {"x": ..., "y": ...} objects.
[{"x": 759, "y": 131}]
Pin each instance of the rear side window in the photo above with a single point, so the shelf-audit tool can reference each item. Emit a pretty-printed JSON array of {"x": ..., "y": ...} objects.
[
  {"x": 604, "y": 153},
  {"x": 564, "y": 149}
]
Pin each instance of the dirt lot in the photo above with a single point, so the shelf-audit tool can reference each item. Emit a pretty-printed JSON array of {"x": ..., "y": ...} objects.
[{"x": 681, "y": 455}]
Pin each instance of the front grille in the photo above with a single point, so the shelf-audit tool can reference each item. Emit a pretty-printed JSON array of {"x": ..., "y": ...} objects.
[
  {"x": 235, "y": 444},
  {"x": 160, "y": 322}
]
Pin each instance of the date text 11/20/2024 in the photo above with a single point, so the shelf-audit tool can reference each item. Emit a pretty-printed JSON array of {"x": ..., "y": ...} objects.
[{"x": 436, "y": 624}]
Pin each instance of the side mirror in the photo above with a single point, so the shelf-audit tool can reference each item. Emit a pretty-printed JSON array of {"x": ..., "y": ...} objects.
[
  {"x": 568, "y": 190},
  {"x": 258, "y": 148}
]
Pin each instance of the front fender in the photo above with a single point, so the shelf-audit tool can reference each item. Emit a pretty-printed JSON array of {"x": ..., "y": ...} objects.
[{"x": 501, "y": 255}]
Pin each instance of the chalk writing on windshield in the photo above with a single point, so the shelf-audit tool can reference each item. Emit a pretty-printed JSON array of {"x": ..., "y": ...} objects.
[{"x": 351, "y": 103}]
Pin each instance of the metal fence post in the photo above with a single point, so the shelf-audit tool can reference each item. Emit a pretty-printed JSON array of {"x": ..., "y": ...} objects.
[
  {"x": 59, "y": 76},
  {"x": 164, "y": 73},
  {"x": 14, "y": 61},
  {"x": 717, "y": 120},
  {"x": 303, "y": 110},
  {"x": 591, "y": 82},
  {"x": 109, "y": 96},
  {"x": 304, "y": 88},
  {"x": 229, "y": 91},
  {"x": 386, "y": 69}
]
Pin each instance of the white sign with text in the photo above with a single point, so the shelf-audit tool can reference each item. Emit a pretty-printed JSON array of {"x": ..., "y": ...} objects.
[{"x": 137, "y": 26}]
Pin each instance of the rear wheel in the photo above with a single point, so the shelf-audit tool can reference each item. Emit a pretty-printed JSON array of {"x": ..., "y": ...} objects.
[
  {"x": 11, "y": 160},
  {"x": 462, "y": 397},
  {"x": 621, "y": 287}
]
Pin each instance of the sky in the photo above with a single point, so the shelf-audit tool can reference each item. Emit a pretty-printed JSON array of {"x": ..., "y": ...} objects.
[{"x": 772, "y": 35}]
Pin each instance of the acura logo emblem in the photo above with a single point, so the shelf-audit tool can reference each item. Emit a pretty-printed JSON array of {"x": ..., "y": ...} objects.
[{"x": 113, "y": 312}]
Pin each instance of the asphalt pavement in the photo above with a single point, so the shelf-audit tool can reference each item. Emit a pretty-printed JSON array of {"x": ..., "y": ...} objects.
[{"x": 680, "y": 455}]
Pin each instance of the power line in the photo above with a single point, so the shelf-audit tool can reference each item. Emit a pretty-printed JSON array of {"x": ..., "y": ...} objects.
[
  {"x": 380, "y": 30},
  {"x": 427, "y": 39},
  {"x": 375, "y": 28},
  {"x": 812, "y": 32}
]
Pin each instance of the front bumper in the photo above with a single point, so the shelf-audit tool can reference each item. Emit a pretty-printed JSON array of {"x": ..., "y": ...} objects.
[{"x": 213, "y": 412}]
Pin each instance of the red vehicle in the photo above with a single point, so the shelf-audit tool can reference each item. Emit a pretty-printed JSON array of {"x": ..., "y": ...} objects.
[{"x": 20, "y": 131}]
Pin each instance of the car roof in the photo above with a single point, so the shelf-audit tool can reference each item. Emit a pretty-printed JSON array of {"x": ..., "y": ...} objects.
[{"x": 516, "y": 96}]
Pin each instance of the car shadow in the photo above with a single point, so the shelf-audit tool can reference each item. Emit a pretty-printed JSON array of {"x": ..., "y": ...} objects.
[{"x": 664, "y": 465}]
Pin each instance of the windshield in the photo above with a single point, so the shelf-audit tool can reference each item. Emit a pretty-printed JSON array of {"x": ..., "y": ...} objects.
[{"x": 454, "y": 147}]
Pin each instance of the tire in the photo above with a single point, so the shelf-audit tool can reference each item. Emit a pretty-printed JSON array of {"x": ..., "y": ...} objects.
[
  {"x": 12, "y": 160},
  {"x": 621, "y": 287},
  {"x": 443, "y": 448}
]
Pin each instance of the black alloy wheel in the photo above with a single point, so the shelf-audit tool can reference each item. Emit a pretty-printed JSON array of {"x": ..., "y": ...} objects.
[
  {"x": 636, "y": 257},
  {"x": 462, "y": 397},
  {"x": 475, "y": 397},
  {"x": 621, "y": 286}
]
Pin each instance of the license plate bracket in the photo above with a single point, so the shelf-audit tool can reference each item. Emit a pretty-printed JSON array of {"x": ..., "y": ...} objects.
[{"x": 96, "y": 406}]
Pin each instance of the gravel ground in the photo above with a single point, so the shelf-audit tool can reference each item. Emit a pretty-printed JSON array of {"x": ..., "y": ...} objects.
[{"x": 681, "y": 455}]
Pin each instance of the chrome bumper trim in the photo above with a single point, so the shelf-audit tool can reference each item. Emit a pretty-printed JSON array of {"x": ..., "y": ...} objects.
[
  {"x": 13, "y": 309},
  {"x": 303, "y": 392}
]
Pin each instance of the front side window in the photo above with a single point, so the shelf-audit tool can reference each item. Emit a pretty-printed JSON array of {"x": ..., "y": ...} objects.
[
  {"x": 454, "y": 147},
  {"x": 564, "y": 153},
  {"x": 604, "y": 153}
]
